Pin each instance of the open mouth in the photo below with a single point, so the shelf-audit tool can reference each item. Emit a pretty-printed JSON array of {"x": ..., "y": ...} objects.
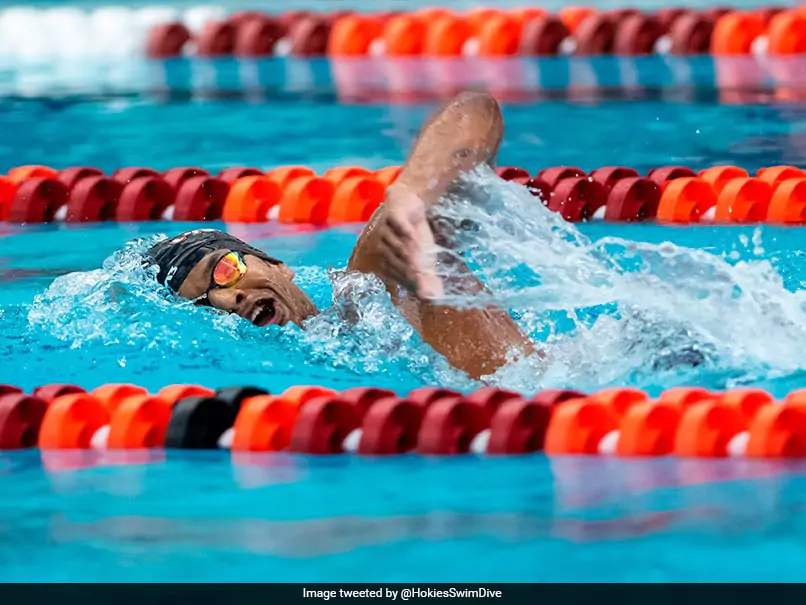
[{"x": 264, "y": 312}]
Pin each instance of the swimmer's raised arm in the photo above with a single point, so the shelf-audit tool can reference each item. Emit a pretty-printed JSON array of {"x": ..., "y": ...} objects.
[
  {"x": 463, "y": 134},
  {"x": 396, "y": 244}
]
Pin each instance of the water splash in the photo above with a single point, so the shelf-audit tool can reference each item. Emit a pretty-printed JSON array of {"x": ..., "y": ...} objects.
[
  {"x": 607, "y": 312},
  {"x": 615, "y": 311}
]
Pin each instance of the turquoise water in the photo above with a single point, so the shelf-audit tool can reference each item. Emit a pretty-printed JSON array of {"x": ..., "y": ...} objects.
[
  {"x": 200, "y": 518},
  {"x": 638, "y": 112},
  {"x": 610, "y": 303}
]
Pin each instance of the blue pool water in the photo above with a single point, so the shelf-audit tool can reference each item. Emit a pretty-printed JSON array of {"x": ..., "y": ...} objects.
[
  {"x": 200, "y": 518},
  {"x": 610, "y": 300},
  {"x": 641, "y": 113}
]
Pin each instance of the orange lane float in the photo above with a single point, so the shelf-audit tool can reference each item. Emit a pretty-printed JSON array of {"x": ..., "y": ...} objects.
[
  {"x": 788, "y": 203},
  {"x": 71, "y": 421},
  {"x": 403, "y": 36},
  {"x": 743, "y": 200},
  {"x": 139, "y": 422},
  {"x": 685, "y": 200},
  {"x": 434, "y": 421},
  {"x": 447, "y": 36},
  {"x": 719, "y": 176},
  {"x": 786, "y": 33},
  {"x": 250, "y": 199},
  {"x": 353, "y": 35},
  {"x": 735, "y": 33}
]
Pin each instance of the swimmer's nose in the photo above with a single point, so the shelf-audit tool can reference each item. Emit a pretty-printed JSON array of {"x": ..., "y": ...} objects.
[{"x": 240, "y": 297}]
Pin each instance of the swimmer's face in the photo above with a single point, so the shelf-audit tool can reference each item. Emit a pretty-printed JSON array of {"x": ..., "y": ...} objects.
[{"x": 264, "y": 295}]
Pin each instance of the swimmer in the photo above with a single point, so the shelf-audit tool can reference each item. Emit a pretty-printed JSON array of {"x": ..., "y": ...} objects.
[{"x": 219, "y": 270}]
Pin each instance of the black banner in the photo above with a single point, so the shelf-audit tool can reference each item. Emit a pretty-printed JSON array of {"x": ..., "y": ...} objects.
[{"x": 310, "y": 594}]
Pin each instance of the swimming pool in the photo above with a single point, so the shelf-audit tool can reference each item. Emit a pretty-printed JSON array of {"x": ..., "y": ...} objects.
[{"x": 178, "y": 516}]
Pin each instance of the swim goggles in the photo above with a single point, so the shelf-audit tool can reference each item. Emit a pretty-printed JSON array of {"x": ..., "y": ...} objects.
[{"x": 228, "y": 271}]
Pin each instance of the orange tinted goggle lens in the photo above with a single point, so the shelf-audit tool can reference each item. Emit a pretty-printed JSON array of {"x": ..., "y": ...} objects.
[{"x": 228, "y": 270}]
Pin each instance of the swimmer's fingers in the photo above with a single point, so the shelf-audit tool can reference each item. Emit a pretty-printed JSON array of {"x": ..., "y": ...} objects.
[
  {"x": 420, "y": 249},
  {"x": 429, "y": 284},
  {"x": 395, "y": 247},
  {"x": 402, "y": 237},
  {"x": 404, "y": 232},
  {"x": 396, "y": 261},
  {"x": 409, "y": 234}
]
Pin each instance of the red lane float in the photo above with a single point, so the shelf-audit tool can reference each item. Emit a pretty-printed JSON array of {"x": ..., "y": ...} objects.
[{"x": 20, "y": 420}]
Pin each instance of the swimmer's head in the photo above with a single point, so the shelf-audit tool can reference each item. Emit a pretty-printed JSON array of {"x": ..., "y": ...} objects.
[{"x": 221, "y": 271}]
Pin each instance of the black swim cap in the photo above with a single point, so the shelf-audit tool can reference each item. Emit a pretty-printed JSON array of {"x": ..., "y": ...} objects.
[{"x": 176, "y": 256}]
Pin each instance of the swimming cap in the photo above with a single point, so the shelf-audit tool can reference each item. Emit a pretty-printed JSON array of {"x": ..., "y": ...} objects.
[{"x": 176, "y": 256}]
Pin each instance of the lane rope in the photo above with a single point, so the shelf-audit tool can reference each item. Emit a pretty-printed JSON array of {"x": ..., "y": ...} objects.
[
  {"x": 164, "y": 32},
  {"x": 351, "y": 194},
  {"x": 621, "y": 422}
]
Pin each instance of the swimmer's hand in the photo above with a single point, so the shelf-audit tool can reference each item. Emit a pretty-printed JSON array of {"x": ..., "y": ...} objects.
[{"x": 407, "y": 247}]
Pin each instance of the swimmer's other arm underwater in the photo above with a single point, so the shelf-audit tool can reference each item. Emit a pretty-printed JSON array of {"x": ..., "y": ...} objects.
[{"x": 396, "y": 245}]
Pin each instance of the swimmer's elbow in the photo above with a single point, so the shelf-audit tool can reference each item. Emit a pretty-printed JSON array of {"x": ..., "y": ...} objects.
[
  {"x": 475, "y": 101},
  {"x": 479, "y": 112},
  {"x": 466, "y": 133}
]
